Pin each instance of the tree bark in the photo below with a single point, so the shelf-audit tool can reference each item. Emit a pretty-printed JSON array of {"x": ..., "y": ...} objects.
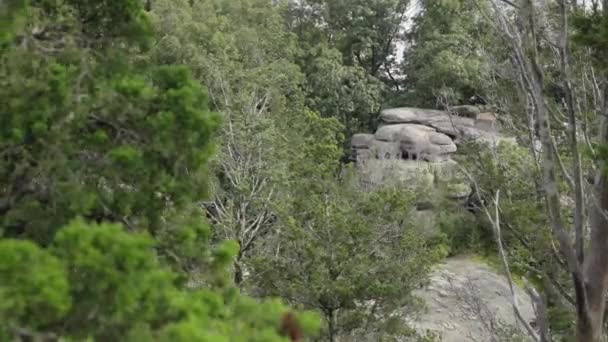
[
  {"x": 331, "y": 324},
  {"x": 596, "y": 263},
  {"x": 588, "y": 268}
]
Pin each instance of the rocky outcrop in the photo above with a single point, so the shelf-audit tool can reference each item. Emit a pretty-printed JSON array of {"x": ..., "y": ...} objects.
[
  {"x": 465, "y": 122},
  {"x": 413, "y": 143},
  {"x": 466, "y": 300},
  {"x": 403, "y": 141},
  {"x": 424, "y": 134}
]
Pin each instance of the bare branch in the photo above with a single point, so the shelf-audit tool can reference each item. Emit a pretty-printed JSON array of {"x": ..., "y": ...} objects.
[
  {"x": 579, "y": 218},
  {"x": 495, "y": 221}
]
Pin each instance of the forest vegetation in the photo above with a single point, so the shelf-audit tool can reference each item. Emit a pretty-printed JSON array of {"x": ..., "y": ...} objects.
[{"x": 180, "y": 170}]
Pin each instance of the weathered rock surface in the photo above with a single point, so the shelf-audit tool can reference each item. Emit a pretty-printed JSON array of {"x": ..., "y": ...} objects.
[
  {"x": 427, "y": 134},
  {"x": 362, "y": 140},
  {"x": 465, "y": 299},
  {"x": 459, "y": 127},
  {"x": 414, "y": 142},
  {"x": 403, "y": 172},
  {"x": 413, "y": 146},
  {"x": 408, "y": 136}
]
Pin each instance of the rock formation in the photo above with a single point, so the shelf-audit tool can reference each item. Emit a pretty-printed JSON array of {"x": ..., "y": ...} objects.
[
  {"x": 424, "y": 134},
  {"x": 466, "y": 300},
  {"x": 414, "y": 147},
  {"x": 417, "y": 144}
]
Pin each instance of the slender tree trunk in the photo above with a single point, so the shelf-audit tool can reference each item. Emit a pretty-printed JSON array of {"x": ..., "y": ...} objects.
[
  {"x": 596, "y": 263},
  {"x": 588, "y": 267},
  {"x": 238, "y": 269},
  {"x": 238, "y": 274},
  {"x": 331, "y": 324}
]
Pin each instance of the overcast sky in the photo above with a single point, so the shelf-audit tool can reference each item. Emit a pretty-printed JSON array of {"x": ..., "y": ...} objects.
[{"x": 413, "y": 9}]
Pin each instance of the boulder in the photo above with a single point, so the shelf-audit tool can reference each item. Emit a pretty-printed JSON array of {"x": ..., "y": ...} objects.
[
  {"x": 362, "y": 140},
  {"x": 385, "y": 150},
  {"x": 400, "y": 131},
  {"x": 416, "y": 141},
  {"x": 362, "y": 154},
  {"x": 408, "y": 174},
  {"x": 398, "y": 173},
  {"x": 440, "y": 139},
  {"x": 464, "y": 298},
  {"x": 361, "y": 145},
  {"x": 464, "y": 301},
  {"x": 460, "y": 128},
  {"x": 407, "y": 114},
  {"x": 466, "y": 111},
  {"x": 407, "y": 138}
]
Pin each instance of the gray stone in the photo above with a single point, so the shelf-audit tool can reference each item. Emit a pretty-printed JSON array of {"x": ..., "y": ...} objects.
[
  {"x": 466, "y": 111},
  {"x": 386, "y": 150},
  {"x": 460, "y": 128},
  {"x": 464, "y": 286},
  {"x": 362, "y": 154},
  {"x": 400, "y": 131},
  {"x": 362, "y": 140},
  {"x": 417, "y": 141},
  {"x": 440, "y": 139}
]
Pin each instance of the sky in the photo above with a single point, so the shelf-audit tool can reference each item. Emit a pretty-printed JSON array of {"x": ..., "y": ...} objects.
[{"x": 411, "y": 12}]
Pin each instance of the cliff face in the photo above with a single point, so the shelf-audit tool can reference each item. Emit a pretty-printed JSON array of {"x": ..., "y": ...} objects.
[
  {"x": 414, "y": 145},
  {"x": 424, "y": 134},
  {"x": 465, "y": 299}
]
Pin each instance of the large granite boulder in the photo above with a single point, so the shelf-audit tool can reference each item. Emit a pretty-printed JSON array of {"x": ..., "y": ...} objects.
[
  {"x": 407, "y": 148},
  {"x": 412, "y": 148},
  {"x": 404, "y": 173},
  {"x": 460, "y": 128},
  {"x": 467, "y": 300},
  {"x": 412, "y": 144},
  {"x": 424, "y": 134},
  {"x": 362, "y": 140},
  {"x": 417, "y": 141},
  {"x": 361, "y": 147}
]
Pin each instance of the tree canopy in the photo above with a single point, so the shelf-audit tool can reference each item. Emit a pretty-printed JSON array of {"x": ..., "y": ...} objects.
[{"x": 179, "y": 170}]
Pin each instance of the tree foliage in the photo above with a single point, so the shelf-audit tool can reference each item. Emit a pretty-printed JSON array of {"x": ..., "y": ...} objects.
[
  {"x": 248, "y": 63},
  {"x": 446, "y": 54},
  {"x": 95, "y": 127},
  {"x": 102, "y": 283},
  {"x": 347, "y": 50},
  {"x": 363, "y": 31},
  {"x": 354, "y": 256},
  {"x": 90, "y": 131},
  {"x": 111, "y": 112}
]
